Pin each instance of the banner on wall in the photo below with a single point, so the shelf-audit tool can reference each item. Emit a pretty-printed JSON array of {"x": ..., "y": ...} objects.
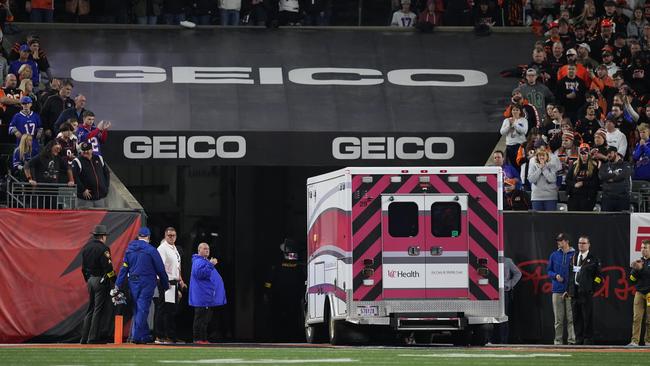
[
  {"x": 639, "y": 231},
  {"x": 44, "y": 296}
]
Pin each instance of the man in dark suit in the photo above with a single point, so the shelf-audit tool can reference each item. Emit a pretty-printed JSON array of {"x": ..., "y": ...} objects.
[{"x": 585, "y": 276}]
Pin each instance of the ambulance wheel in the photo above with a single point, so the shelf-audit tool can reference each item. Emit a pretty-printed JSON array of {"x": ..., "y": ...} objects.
[
  {"x": 314, "y": 333},
  {"x": 481, "y": 334},
  {"x": 462, "y": 337},
  {"x": 336, "y": 330}
]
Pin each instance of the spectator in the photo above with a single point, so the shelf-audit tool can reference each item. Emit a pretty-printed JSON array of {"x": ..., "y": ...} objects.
[
  {"x": 570, "y": 92},
  {"x": 76, "y": 112},
  {"x": 535, "y": 92},
  {"x": 229, "y": 12},
  {"x": 608, "y": 61},
  {"x": 583, "y": 59},
  {"x": 174, "y": 11},
  {"x": 258, "y": 13},
  {"x": 590, "y": 101},
  {"x": 620, "y": 51},
  {"x": 615, "y": 179},
  {"x": 26, "y": 122},
  {"x": 315, "y": 12},
  {"x": 4, "y": 63},
  {"x": 529, "y": 112},
  {"x": 49, "y": 167},
  {"x": 24, "y": 73},
  {"x": 92, "y": 177},
  {"x": 566, "y": 154},
  {"x": 604, "y": 39},
  {"x": 526, "y": 151},
  {"x": 542, "y": 176},
  {"x": 10, "y": 98},
  {"x": 599, "y": 150},
  {"x": 510, "y": 174},
  {"x": 431, "y": 16},
  {"x": 484, "y": 18},
  {"x": 514, "y": 129},
  {"x": 289, "y": 12},
  {"x": 635, "y": 74},
  {"x": 68, "y": 141},
  {"x": 27, "y": 90},
  {"x": 558, "y": 269},
  {"x": 640, "y": 277},
  {"x": 40, "y": 57},
  {"x": 603, "y": 85},
  {"x": 55, "y": 105},
  {"x": 40, "y": 11},
  {"x": 615, "y": 137},
  {"x": 404, "y": 17},
  {"x": 588, "y": 125},
  {"x": 50, "y": 90},
  {"x": 641, "y": 154},
  {"x": 22, "y": 154},
  {"x": 542, "y": 67},
  {"x": 582, "y": 183},
  {"x": 24, "y": 60},
  {"x": 96, "y": 136},
  {"x": 77, "y": 11},
  {"x": 552, "y": 126},
  {"x": 581, "y": 71},
  {"x": 145, "y": 13},
  {"x": 206, "y": 291}
]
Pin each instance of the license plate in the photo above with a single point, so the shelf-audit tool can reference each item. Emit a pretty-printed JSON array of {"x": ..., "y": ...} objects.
[{"x": 368, "y": 310}]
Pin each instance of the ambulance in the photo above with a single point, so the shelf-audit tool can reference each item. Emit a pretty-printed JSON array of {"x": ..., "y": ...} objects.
[{"x": 404, "y": 253}]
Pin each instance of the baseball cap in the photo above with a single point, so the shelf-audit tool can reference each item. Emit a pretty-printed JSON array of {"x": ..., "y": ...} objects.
[
  {"x": 26, "y": 100},
  {"x": 584, "y": 45},
  {"x": 571, "y": 51},
  {"x": 606, "y": 23},
  {"x": 562, "y": 236},
  {"x": 531, "y": 71},
  {"x": 144, "y": 231},
  {"x": 85, "y": 146},
  {"x": 24, "y": 48}
]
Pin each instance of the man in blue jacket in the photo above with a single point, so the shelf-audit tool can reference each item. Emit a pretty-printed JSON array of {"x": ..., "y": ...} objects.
[
  {"x": 558, "y": 268},
  {"x": 206, "y": 291},
  {"x": 142, "y": 264}
]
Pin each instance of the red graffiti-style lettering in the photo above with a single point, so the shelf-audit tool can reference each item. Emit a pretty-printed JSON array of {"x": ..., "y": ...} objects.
[{"x": 614, "y": 278}]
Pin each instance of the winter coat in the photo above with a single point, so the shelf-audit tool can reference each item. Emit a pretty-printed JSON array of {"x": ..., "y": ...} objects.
[
  {"x": 560, "y": 263},
  {"x": 615, "y": 178},
  {"x": 206, "y": 285},
  {"x": 543, "y": 181},
  {"x": 641, "y": 158}
]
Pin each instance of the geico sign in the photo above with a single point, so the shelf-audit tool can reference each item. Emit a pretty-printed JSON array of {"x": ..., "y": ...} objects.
[
  {"x": 180, "y": 147},
  {"x": 275, "y": 76},
  {"x": 404, "y": 148}
]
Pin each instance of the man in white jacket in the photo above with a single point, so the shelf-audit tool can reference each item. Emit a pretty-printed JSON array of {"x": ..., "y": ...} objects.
[
  {"x": 229, "y": 12},
  {"x": 615, "y": 137},
  {"x": 167, "y": 301}
]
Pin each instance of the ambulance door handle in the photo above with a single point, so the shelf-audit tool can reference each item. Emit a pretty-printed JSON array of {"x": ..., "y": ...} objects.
[{"x": 414, "y": 251}]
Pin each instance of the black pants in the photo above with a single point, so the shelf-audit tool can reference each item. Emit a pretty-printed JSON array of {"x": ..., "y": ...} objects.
[
  {"x": 95, "y": 321},
  {"x": 202, "y": 316},
  {"x": 581, "y": 202},
  {"x": 615, "y": 203},
  {"x": 583, "y": 308},
  {"x": 165, "y": 318}
]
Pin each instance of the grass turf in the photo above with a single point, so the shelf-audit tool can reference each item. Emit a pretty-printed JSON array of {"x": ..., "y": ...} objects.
[{"x": 128, "y": 355}]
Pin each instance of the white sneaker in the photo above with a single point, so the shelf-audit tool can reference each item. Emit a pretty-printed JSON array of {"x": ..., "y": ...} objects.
[
  {"x": 632, "y": 344},
  {"x": 187, "y": 24}
]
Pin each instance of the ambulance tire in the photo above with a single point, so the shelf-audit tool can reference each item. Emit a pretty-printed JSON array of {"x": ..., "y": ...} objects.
[
  {"x": 481, "y": 334},
  {"x": 315, "y": 333},
  {"x": 336, "y": 329}
]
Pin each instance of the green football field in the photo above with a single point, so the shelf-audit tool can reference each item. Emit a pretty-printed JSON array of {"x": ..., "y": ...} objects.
[{"x": 135, "y": 355}]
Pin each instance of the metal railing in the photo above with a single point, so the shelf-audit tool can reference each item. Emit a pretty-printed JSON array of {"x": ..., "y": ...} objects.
[{"x": 42, "y": 195}]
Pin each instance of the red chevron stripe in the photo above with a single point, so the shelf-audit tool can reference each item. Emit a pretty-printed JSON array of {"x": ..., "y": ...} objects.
[
  {"x": 473, "y": 190},
  {"x": 374, "y": 192}
]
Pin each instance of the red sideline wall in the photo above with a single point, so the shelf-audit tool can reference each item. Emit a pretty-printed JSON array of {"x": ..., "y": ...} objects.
[{"x": 42, "y": 291}]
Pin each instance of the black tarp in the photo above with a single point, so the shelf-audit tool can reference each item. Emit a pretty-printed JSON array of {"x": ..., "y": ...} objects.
[{"x": 529, "y": 241}]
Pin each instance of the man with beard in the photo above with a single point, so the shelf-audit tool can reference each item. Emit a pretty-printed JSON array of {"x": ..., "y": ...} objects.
[
  {"x": 535, "y": 92},
  {"x": 570, "y": 92},
  {"x": 615, "y": 182}
]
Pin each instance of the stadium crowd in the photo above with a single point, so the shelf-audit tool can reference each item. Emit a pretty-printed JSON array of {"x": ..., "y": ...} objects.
[
  {"x": 578, "y": 120},
  {"x": 57, "y": 139}
]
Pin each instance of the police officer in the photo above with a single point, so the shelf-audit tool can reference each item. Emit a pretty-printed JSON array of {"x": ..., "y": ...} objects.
[
  {"x": 585, "y": 275},
  {"x": 98, "y": 273},
  {"x": 142, "y": 264}
]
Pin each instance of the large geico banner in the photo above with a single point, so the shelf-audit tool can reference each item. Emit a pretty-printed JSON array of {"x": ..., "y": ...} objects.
[{"x": 298, "y": 148}]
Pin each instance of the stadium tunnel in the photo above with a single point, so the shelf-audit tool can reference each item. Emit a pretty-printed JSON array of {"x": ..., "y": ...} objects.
[{"x": 219, "y": 144}]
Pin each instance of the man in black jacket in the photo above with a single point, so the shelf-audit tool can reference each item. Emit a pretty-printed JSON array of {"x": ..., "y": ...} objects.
[
  {"x": 92, "y": 177},
  {"x": 640, "y": 277},
  {"x": 97, "y": 269},
  {"x": 585, "y": 275},
  {"x": 615, "y": 180}
]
